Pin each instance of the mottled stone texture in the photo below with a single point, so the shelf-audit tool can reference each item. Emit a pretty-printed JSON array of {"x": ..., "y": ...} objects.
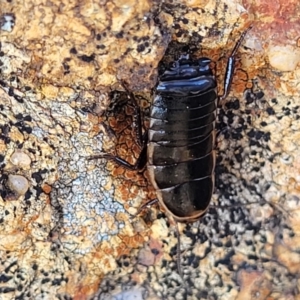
[{"x": 68, "y": 232}]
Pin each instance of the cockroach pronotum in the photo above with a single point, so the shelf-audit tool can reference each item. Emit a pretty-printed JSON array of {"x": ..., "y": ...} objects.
[{"x": 179, "y": 146}]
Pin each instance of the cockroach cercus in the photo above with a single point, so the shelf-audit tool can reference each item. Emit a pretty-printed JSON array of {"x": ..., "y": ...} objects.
[{"x": 179, "y": 146}]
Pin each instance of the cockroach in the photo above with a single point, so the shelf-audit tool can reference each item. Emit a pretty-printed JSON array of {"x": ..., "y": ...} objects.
[{"x": 179, "y": 146}]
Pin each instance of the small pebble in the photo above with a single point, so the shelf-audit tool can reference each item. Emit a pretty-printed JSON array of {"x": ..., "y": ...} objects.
[
  {"x": 18, "y": 184},
  {"x": 7, "y": 22},
  {"x": 284, "y": 58},
  {"x": 20, "y": 159},
  {"x": 133, "y": 294},
  {"x": 146, "y": 257}
]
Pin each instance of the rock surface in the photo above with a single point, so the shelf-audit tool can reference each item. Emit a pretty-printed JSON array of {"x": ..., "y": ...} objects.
[{"x": 70, "y": 234}]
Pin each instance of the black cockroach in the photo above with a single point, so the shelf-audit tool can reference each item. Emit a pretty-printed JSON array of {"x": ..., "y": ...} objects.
[{"x": 179, "y": 146}]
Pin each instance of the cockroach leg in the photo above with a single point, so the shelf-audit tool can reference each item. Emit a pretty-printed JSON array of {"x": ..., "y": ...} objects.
[
  {"x": 137, "y": 119},
  {"x": 142, "y": 139},
  {"x": 231, "y": 66},
  {"x": 140, "y": 163},
  {"x": 178, "y": 258},
  {"x": 145, "y": 205}
]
